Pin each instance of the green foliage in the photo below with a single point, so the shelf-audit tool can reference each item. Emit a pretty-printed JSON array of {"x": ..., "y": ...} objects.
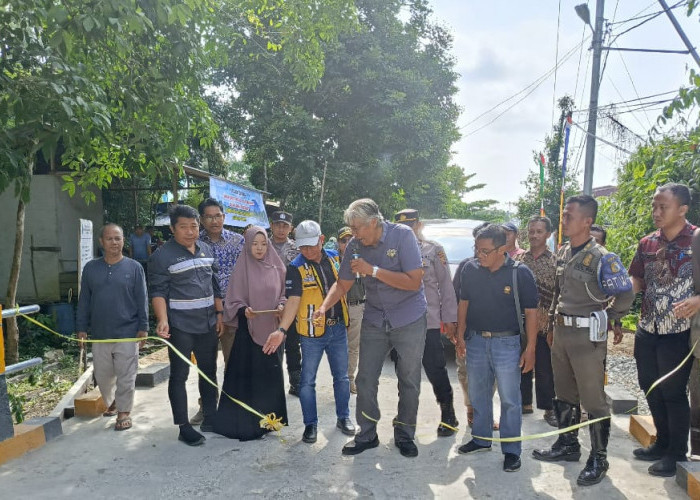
[
  {"x": 627, "y": 213},
  {"x": 382, "y": 119},
  {"x": 17, "y": 402},
  {"x": 35, "y": 341},
  {"x": 529, "y": 204}
]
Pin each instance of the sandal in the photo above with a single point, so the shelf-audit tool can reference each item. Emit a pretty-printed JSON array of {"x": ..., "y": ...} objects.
[
  {"x": 123, "y": 424},
  {"x": 111, "y": 411}
]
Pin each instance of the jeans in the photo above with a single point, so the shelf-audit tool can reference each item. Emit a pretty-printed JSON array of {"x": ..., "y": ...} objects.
[
  {"x": 375, "y": 343},
  {"x": 205, "y": 348},
  {"x": 334, "y": 342},
  {"x": 490, "y": 358},
  {"x": 656, "y": 355}
]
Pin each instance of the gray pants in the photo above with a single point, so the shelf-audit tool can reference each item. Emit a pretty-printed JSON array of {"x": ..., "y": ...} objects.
[
  {"x": 579, "y": 371},
  {"x": 355, "y": 313},
  {"x": 115, "y": 365},
  {"x": 375, "y": 344}
]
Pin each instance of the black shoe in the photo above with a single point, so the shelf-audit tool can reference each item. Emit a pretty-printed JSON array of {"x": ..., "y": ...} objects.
[
  {"x": 310, "y": 434},
  {"x": 550, "y": 418},
  {"x": 560, "y": 452},
  {"x": 189, "y": 436},
  {"x": 594, "y": 472},
  {"x": 346, "y": 426},
  {"x": 472, "y": 447},
  {"x": 294, "y": 390},
  {"x": 511, "y": 462},
  {"x": 666, "y": 467},
  {"x": 356, "y": 447},
  {"x": 649, "y": 454},
  {"x": 407, "y": 448},
  {"x": 448, "y": 422},
  {"x": 294, "y": 382},
  {"x": 207, "y": 425}
]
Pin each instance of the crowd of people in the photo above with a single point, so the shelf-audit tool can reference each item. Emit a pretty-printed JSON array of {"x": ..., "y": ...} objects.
[{"x": 509, "y": 312}]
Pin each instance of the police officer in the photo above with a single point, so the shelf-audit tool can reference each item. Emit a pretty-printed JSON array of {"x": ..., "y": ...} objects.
[
  {"x": 287, "y": 249},
  {"x": 442, "y": 310},
  {"x": 577, "y": 361}
]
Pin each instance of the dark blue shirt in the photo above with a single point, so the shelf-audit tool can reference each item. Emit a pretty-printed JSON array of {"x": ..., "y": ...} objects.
[
  {"x": 188, "y": 283},
  {"x": 113, "y": 303},
  {"x": 491, "y": 298}
]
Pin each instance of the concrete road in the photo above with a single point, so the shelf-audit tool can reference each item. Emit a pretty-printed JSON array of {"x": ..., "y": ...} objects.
[{"x": 91, "y": 460}]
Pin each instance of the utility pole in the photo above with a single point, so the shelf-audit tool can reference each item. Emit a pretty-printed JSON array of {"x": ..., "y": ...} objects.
[
  {"x": 593, "y": 105},
  {"x": 680, "y": 31}
]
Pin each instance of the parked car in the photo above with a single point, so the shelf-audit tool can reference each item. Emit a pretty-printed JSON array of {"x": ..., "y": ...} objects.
[{"x": 455, "y": 235}]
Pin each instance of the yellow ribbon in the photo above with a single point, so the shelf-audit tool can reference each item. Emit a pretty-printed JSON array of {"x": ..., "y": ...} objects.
[
  {"x": 530, "y": 437},
  {"x": 269, "y": 421}
]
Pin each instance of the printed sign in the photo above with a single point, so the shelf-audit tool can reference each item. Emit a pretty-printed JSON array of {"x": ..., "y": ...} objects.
[
  {"x": 242, "y": 206},
  {"x": 85, "y": 247}
]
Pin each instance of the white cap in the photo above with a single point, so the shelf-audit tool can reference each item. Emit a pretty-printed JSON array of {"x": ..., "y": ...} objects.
[{"x": 307, "y": 233}]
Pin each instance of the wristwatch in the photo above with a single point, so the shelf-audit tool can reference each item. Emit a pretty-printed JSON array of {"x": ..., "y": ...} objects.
[
  {"x": 284, "y": 332},
  {"x": 374, "y": 271},
  {"x": 219, "y": 312}
]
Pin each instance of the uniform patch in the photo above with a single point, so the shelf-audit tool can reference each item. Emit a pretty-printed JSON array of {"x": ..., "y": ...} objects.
[
  {"x": 507, "y": 290},
  {"x": 443, "y": 258},
  {"x": 391, "y": 253},
  {"x": 587, "y": 260}
]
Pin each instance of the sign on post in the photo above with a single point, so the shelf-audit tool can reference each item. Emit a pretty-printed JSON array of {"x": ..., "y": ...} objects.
[
  {"x": 85, "y": 247},
  {"x": 242, "y": 206}
]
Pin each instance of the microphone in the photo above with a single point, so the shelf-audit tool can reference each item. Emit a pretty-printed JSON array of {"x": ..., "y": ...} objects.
[{"x": 355, "y": 256}]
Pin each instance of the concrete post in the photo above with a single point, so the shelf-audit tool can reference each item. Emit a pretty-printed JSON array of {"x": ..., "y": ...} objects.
[
  {"x": 593, "y": 105},
  {"x": 7, "y": 430}
]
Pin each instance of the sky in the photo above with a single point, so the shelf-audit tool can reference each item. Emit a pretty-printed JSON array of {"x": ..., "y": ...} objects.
[{"x": 503, "y": 46}]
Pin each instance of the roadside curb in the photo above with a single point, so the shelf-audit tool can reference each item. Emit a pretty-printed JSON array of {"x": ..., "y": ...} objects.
[{"x": 30, "y": 435}]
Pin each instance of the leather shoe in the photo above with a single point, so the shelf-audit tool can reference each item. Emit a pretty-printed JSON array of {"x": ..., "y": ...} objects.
[
  {"x": 356, "y": 447},
  {"x": 407, "y": 448},
  {"x": 346, "y": 426},
  {"x": 310, "y": 434},
  {"x": 649, "y": 454}
]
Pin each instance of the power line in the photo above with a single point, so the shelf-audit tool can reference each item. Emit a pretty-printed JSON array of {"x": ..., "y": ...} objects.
[
  {"x": 556, "y": 63},
  {"x": 536, "y": 83}
]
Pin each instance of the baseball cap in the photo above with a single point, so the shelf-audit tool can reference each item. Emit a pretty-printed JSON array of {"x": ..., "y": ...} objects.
[
  {"x": 510, "y": 226},
  {"x": 307, "y": 233},
  {"x": 281, "y": 216},
  {"x": 344, "y": 232}
]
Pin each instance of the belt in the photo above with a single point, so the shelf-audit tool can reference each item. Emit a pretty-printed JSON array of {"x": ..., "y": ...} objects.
[
  {"x": 356, "y": 302},
  {"x": 575, "y": 321},
  {"x": 488, "y": 334},
  {"x": 332, "y": 321}
]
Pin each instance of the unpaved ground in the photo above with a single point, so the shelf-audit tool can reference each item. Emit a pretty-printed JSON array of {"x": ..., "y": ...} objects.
[{"x": 93, "y": 461}]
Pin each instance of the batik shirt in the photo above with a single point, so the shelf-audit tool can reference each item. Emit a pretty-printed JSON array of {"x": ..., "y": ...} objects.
[
  {"x": 226, "y": 252},
  {"x": 544, "y": 268},
  {"x": 667, "y": 271}
]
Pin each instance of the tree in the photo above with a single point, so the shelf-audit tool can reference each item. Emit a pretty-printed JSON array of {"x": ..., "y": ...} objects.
[
  {"x": 380, "y": 123},
  {"x": 529, "y": 204},
  {"x": 116, "y": 88},
  {"x": 627, "y": 213}
]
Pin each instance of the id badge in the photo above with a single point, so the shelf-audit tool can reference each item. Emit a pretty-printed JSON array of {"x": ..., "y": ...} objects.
[{"x": 598, "y": 326}]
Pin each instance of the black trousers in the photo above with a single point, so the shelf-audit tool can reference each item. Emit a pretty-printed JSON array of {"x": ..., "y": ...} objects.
[
  {"x": 292, "y": 349},
  {"x": 204, "y": 346},
  {"x": 435, "y": 366},
  {"x": 544, "y": 377},
  {"x": 657, "y": 355}
]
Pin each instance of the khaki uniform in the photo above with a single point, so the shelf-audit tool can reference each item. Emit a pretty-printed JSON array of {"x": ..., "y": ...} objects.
[
  {"x": 287, "y": 250},
  {"x": 439, "y": 292},
  {"x": 578, "y": 363}
]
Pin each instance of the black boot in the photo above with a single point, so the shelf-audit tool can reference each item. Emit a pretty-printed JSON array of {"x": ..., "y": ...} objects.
[
  {"x": 597, "y": 464},
  {"x": 566, "y": 448},
  {"x": 294, "y": 380},
  {"x": 447, "y": 417}
]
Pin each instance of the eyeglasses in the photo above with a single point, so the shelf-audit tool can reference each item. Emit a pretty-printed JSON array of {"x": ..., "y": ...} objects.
[
  {"x": 344, "y": 241},
  {"x": 483, "y": 251},
  {"x": 210, "y": 218}
]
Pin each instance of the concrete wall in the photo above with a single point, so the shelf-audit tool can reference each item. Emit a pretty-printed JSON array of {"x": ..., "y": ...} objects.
[{"x": 51, "y": 221}]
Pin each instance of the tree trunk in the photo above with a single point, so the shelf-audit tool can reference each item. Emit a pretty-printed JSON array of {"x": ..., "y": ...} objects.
[
  {"x": 323, "y": 189},
  {"x": 175, "y": 184},
  {"x": 12, "y": 330}
]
